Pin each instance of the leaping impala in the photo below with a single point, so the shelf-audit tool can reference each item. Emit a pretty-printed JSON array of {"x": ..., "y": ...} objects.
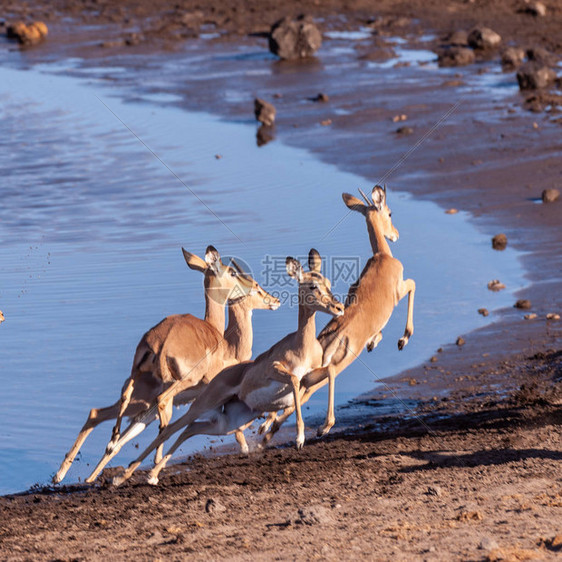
[
  {"x": 239, "y": 394},
  {"x": 369, "y": 305},
  {"x": 183, "y": 348}
]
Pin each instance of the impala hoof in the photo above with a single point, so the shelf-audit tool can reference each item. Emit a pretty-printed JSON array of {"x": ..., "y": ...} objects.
[
  {"x": 402, "y": 343},
  {"x": 118, "y": 480},
  {"x": 300, "y": 442},
  {"x": 152, "y": 480},
  {"x": 323, "y": 430},
  {"x": 263, "y": 428}
]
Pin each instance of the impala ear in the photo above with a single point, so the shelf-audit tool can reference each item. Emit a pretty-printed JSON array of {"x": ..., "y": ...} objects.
[
  {"x": 294, "y": 269},
  {"x": 379, "y": 197},
  {"x": 194, "y": 262},
  {"x": 314, "y": 261},
  {"x": 353, "y": 203},
  {"x": 213, "y": 258}
]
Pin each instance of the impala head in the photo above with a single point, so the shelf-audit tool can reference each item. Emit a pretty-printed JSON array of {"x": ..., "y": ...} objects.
[
  {"x": 228, "y": 282},
  {"x": 376, "y": 211},
  {"x": 314, "y": 289}
]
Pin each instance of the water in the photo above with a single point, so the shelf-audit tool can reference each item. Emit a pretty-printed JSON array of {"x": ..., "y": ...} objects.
[{"x": 98, "y": 197}]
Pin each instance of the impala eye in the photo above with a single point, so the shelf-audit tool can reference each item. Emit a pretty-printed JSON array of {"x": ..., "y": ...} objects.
[{"x": 233, "y": 273}]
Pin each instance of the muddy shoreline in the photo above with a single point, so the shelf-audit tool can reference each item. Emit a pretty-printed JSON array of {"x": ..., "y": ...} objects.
[{"x": 427, "y": 487}]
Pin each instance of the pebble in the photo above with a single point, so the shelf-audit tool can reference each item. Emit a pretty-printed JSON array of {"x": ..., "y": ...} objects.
[
  {"x": 488, "y": 543},
  {"x": 264, "y": 111},
  {"x": 401, "y": 117},
  {"x": 530, "y": 316},
  {"x": 434, "y": 491},
  {"x": 27, "y": 34},
  {"x": 550, "y": 195},
  {"x": 323, "y": 98},
  {"x": 295, "y": 38},
  {"x": 434, "y": 359},
  {"x": 549, "y": 316},
  {"x": 483, "y": 38},
  {"x": 499, "y": 241},
  {"x": 451, "y": 211},
  {"x": 512, "y": 58},
  {"x": 455, "y": 56},
  {"x": 326, "y": 122},
  {"x": 483, "y": 311},
  {"x": 314, "y": 515},
  {"x": 1, "y": 317},
  {"x": 459, "y": 37},
  {"x": 537, "y": 9},
  {"x": 496, "y": 285},
  {"x": 214, "y": 506},
  {"x": 460, "y": 341},
  {"x": 404, "y": 130},
  {"x": 524, "y": 304},
  {"x": 535, "y": 75}
]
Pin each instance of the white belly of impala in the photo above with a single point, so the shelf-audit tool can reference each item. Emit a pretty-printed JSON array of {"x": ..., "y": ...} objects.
[{"x": 275, "y": 396}]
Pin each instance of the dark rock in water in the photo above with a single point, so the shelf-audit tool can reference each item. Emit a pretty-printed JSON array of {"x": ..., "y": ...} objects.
[
  {"x": 484, "y": 38},
  {"x": 295, "y": 38},
  {"x": 404, "y": 130},
  {"x": 499, "y": 242},
  {"x": 455, "y": 56},
  {"x": 512, "y": 58},
  {"x": 264, "y": 112},
  {"x": 524, "y": 304},
  {"x": 483, "y": 311},
  {"x": 27, "y": 34},
  {"x": 459, "y": 38},
  {"x": 550, "y": 195},
  {"x": 264, "y": 135},
  {"x": 321, "y": 98},
  {"x": 133, "y": 39},
  {"x": 538, "y": 54},
  {"x": 535, "y": 75},
  {"x": 460, "y": 341}
]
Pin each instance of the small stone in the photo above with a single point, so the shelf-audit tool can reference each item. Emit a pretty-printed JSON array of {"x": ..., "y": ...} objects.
[
  {"x": 512, "y": 58},
  {"x": 434, "y": 359},
  {"x": 218, "y": 156},
  {"x": 535, "y": 75},
  {"x": 451, "y": 211},
  {"x": 483, "y": 38},
  {"x": 2, "y": 318},
  {"x": 455, "y": 56},
  {"x": 412, "y": 382},
  {"x": 495, "y": 285},
  {"x": 483, "y": 311},
  {"x": 401, "y": 117},
  {"x": 264, "y": 112},
  {"x": 322, "y": 98},
  {"x": 314, "y": 515},
  {"x": 470, "y": 516},
  {"x": 404, "y": 130},
  {"x": 487, "y": 544},
  {"x": 434, "y": 491},
  {"x": 214, "y": 506},
  {"x": 133, "y": 39},
  {"x": 530, "y": 316},
  {"x": 550, "y": 195},
  {"x": 556, "y": 542},
  {"x": 459, "y": 37},
  {"x": 537, "y": 9},
  {"x": 460, "y": 341},
  {"x": 541, "y": 55},
  {"x": 524, "y": 304},
  {"x": 549, "y": 316},
  {"x": 499, "y": 241},
  {"x": 294, "y": 38},
  {"x": 27, "y": 34},
  {"x": 326, "y": 122}
]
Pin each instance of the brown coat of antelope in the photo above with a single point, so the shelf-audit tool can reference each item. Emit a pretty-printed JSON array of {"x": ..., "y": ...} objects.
[
  {"x": 238, "y": 395},
  {"x": 182, "y": 349},
  {"x": 369, "y": 306}
]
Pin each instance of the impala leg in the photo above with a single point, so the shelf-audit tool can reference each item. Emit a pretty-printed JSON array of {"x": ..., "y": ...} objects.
[
  {"x": 330, "y": 415},
  {"x": 241, "y": 440},
  {"x": 95, "y": 417},
  {"x": 123, "y": 404},
  {"x": 165, "y": 414},
  {"x": 267, "y": 423},
  {"x": 407, "y": 287},
  {"x": 282, "y": 374},
  {"x": 374, "y": 341}
]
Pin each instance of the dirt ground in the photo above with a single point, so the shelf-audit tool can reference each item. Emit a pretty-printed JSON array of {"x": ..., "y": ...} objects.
[{"x": 475, "y": 473}]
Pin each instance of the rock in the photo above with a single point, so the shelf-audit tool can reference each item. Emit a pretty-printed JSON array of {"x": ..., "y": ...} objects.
[
  {"x": 434, "y": 491},
  {"x": 460, "y": 341},
  {"x": 459, "y": 37},
  {"x": 495, "y": 285},
  {"x": 534, "y": 75},
  {"x": 294, "y": 38},
  {"x": 541, "y": 55},
  {"x": 470, "y": 516},
  {"x": 483, "y": 311},
  {"x": 523, "y": 304},
  {"x": 550, "y": 195},
  {"x": 314, "y": 515},
  {"x": 556, "y": 542},
  {"x": 27, "y": 34},
  {"x": 488, "y": 544},
  {"x": 483, "y": 38},
  {"x": 552, "y": 316},
  {"x": 326, "y": 122},
  {"x": 530, "y": 316},
  {"x": 264, "y": 112},
  {"x": 499, "y": 241},
  {"x": 451, "y": 211},
  {"x": 133, "y": 39},
  {"x": 512, "y": 58},
  {"x": 537, "y": 9},
  {"x": 2, "y": 317},
  {"x": 323, "y": 98},
  {"x": 214, "y": 506},
  {"x": 404, "y": 130},
  {"x": 400, "y": 117},
  {"x": 455, "y": 56},
  {"x": 434, "y": 359}
]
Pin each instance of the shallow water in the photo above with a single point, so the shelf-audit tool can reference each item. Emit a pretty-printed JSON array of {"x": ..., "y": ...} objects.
[{"x": 99, "y": 195}]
